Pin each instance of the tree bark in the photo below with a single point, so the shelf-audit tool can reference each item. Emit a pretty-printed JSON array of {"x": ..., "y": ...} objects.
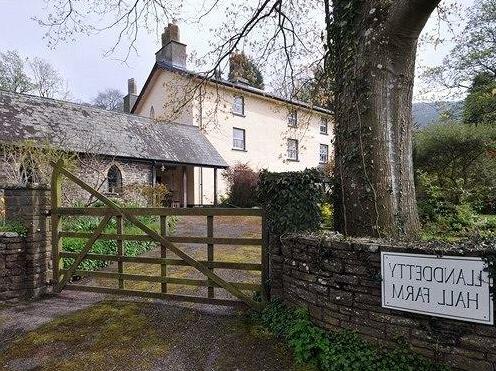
[{"x": 375, "y": 45}]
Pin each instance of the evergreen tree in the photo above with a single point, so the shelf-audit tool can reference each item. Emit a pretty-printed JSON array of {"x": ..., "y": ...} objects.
[
  {"x": 243, "y": 67},
  {"x": 480, "y": 104}
]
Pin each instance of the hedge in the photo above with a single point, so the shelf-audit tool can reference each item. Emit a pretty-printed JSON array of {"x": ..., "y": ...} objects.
[{"x": 292, "y": 200}]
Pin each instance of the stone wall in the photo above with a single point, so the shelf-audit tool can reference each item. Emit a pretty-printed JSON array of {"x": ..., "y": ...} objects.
[
  {"x": 25, "y": 265},
  {"x": 339, "y": 281},
  {"x": 93, "y": 170}
]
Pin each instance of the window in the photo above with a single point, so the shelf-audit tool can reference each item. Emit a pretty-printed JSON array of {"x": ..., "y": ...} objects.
[
  {"x": 292, "y": 149},
  {"x": 293, "y": 118},
  {"x": 324, "y": 153},
  {"x": 238, "y": 107},
  {"x": 28, "y": 173},
  {"x": 152, "y": 113},
  {"x": 114, "y": 179},
  {"x": 239, "y": 139},
  {"x": 323, "y": 125}
]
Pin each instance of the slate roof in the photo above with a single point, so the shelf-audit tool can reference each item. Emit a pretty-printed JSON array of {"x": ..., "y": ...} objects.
[
  {"x": 162, "y": 65},
  {"x": 80, "y": 128}
]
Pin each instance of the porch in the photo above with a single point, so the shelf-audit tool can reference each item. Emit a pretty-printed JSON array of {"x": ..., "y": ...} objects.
[{"x": 187, "y": 184}]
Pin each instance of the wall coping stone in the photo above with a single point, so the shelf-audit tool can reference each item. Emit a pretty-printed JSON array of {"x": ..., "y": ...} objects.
[
  {"x": 475, "y": 246},
  {"x": 38, "y": 187},
  {"x": 8, "y": 234}
]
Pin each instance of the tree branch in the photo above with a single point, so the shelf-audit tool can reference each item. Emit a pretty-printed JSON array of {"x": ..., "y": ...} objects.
[{"x": 407, "y": 18}]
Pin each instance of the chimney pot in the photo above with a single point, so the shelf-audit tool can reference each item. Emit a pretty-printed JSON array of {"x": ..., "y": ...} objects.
[
  {"x": 131, "y": 86},
  {"x": 173, "y": 52},
  {"x": 171, "y": 33}
]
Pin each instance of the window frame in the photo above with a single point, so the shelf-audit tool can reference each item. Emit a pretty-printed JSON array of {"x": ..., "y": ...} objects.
[
  {"x": 235, "y": 148},
  {"x": 320, "y": 153},
  {"x": 325, "y": 121},
  {"x": 296, "y": 150},
  {"x": 233, "y": 111},
  {"x": 293, "y": 115}
]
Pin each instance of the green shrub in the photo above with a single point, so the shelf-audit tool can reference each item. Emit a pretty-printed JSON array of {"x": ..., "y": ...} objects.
[
  {"x": 460, "y": 161},
  {"x": 443, "y": 218},
  {"x": 337, "y": 350},
  {"x": 292, "y": 200},
  {"x": 242, "y": 186},
  {"x": 99, "y": 247},
  {"x": 13, "y": 226},
  {"x": 327, "y": 215},
  {"x": 108, "y": 247}
]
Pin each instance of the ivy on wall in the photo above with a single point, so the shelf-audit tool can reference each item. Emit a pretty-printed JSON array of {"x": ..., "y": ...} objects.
[{"x": 292, "y": 200}]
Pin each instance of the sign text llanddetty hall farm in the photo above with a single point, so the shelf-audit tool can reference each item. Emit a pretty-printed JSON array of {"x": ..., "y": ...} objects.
[{"x": 448, "y": 286}]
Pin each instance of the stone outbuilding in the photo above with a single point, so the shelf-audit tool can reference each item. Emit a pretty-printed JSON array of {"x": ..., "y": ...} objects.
[{"x": 126, "y": 149}]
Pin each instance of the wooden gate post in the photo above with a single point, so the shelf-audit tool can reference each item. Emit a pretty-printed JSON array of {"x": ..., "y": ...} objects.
[
  {"x": 265, "y": 259},
  {"x": 56, "y": 202},
  {"x": 164, "y": 231}
]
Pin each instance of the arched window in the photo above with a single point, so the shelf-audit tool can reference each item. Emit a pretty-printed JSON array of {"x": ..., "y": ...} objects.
[
  {"x": 152, "y": 113},
  {"x": 27, "y": 173},
  {"x": 114, "y": 179}
]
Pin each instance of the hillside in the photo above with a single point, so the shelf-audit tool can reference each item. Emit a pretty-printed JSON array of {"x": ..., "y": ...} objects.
[{"x": 425, "y": 113}]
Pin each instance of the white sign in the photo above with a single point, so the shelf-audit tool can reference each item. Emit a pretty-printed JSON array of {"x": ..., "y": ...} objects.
[{"x": 449, "y": 286}]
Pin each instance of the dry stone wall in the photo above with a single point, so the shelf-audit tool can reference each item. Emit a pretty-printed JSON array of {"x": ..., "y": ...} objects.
[
  {"x": 339, "y": 281},
  {"x": 25, "y": 266}
]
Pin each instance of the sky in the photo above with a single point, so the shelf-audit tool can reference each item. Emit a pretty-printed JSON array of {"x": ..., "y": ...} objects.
[{"x": 87, "y": 70}]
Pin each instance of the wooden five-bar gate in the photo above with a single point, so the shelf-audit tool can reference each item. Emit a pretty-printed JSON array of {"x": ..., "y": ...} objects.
[{"x": 242, "y": 291}]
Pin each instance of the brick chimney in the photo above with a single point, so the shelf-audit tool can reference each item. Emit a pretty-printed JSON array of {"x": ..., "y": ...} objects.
[
  {"x": 131, "y": 97},
  {"x": 173, "y": 52}
]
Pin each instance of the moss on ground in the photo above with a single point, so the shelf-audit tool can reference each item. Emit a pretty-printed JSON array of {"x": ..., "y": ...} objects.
[
  {"x": 143, "y": 336},
  {"x": 103, "y": 336}
]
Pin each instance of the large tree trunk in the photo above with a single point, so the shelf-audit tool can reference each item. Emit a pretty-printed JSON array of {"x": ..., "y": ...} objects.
[{"x": 375, "y": 45}]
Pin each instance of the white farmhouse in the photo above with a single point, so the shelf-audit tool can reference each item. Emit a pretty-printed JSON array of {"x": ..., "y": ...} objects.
[{"x": 243, "y": 123}]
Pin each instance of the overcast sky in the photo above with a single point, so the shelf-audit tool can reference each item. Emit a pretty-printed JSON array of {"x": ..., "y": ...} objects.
[{"x": 87, "y": 70}]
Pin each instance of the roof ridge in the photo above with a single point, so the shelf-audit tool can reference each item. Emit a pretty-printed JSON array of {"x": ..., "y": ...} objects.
[
  {"x": 248, "y": 88},
  {"x": 77, "y": 128},
  {"x": 82, "y": 105}
]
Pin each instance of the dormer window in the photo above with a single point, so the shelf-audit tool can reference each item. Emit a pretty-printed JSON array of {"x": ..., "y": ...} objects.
[
  {"x": 293, "y": 118},
  {"x": 323, "y": 125},
  {"x": 238, "y": 107},
  {"x": 152, "y": 113}
]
